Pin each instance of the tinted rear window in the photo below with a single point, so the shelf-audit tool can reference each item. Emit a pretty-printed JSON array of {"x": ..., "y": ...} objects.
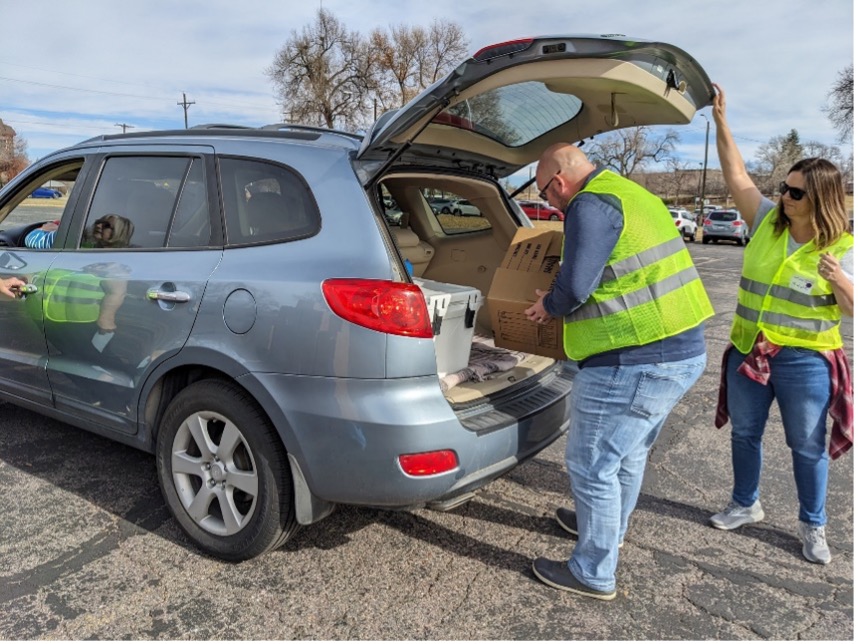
[
  {"x": 723, "y": 215},
  {"x": 514, "y": 114}
]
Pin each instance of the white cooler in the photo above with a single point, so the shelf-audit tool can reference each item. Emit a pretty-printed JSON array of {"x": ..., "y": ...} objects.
[{"x": 453, "y": 311}]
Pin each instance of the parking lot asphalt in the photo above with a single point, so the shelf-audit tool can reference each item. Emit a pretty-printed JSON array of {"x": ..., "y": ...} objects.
[{"x": 89, "y": 551}]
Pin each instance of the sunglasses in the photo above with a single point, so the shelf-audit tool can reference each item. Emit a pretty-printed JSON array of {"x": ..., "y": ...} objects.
[
  {"x": 542, "y": 192},
  {"x": 796, "y": 194}
]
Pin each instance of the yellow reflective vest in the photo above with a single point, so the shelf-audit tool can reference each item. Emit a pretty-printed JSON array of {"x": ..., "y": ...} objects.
[
  {"x": 72, "y": 296},
  {"x": 784, "y": 296},
  {"x": 649, "y": 289}
]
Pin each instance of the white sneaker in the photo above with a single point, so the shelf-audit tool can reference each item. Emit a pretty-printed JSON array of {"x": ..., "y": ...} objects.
[
  {"x": 815, "y": 546},
  {"x": 735, "y": 515}
]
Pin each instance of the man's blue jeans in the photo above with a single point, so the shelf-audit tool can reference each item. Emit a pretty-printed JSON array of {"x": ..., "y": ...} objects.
[
  {"x": 801, "y": 383},
  {"x": 617, "y": 413}
]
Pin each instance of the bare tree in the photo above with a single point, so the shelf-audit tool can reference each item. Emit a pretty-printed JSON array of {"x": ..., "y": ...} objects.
[
  {"x": 679, "y": 179},
  {"x": 13, "y": 154},
  {"x": 323, "y": 75},
  {"x": 327, "y": 75},
  {"x": 840, "y": 107},
  {"x": 410, "y": 59},
  {"x": 631, "y": 149},
  {"x": 775, "y": 158}
]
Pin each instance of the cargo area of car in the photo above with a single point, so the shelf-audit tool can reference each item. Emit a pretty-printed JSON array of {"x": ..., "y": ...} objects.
[{"x": 456, "y": 256}]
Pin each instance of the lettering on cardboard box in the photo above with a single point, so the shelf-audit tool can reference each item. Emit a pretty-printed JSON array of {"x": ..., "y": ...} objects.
[{"x": 549, "y": 263}]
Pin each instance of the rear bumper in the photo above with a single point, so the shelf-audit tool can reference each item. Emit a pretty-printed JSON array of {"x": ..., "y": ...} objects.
[
  {"x": 347, "y": 435},
  {"x": 723, "y": 234}
]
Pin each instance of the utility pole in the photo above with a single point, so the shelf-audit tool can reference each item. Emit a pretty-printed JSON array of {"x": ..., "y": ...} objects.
[
  {"x": 124, "y": 126},
  {"x": 703, "y": 181},
  {"x": 185, "y": 105}
]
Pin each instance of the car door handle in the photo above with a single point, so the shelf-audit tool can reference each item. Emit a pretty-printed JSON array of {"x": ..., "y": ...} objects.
[{"x": 168, "y": 296}]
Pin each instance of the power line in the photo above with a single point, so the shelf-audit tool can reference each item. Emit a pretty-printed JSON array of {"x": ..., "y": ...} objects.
[{"x": 96, "y": 91}]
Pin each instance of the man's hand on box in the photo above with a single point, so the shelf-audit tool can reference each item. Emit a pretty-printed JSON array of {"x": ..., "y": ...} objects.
[{"x": 537, "y": 313}]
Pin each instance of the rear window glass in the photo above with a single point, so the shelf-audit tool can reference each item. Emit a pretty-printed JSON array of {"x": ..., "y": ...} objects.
[
  {"x": 723, "y": 216},
  {"x": 455, "y": 214},
  {"x": 513, "y": 115},
  {"x": 264, "y": 202}
]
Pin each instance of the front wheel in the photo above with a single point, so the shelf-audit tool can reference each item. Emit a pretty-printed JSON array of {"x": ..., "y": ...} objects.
[
  {"x": 554, "y": 218},
  {"x": 224, "y": 472}
]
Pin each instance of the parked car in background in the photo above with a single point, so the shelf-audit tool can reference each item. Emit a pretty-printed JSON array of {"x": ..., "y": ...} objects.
[
  {"x": 46, "y": 193},
  {"x": 466, "y": 208},
  {"x": 725, "y": 224},
  {"x": 540, "y": 211},
  {"x": 442, "y": 205},
  {"x": 685, "y": 223},
  {"x": 269, "y": 344}
]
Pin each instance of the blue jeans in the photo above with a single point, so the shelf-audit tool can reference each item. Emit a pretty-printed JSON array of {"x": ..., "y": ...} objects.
[
  {"x": 617, "y": 413},
  {"x": 801, "y": 383}
]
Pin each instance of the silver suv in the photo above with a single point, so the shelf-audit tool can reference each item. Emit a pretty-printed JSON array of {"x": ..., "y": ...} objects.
[
  {"x": 725, "y": 224},
  {"x": 234, "y": 300}
]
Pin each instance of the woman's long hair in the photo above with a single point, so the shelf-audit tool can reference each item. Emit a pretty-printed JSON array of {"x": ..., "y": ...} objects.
[
  {"x": 824, "y": 187},
  {"x": 121, "y": 232}
]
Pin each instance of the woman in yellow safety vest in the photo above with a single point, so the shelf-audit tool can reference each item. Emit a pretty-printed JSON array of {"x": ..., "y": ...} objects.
[{"x": 785, "y": 342}]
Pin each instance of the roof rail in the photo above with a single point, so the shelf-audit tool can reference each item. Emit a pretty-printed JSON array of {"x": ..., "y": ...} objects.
[
  {"x": 220, "y": 126},
  {"x": 310, "y": 128}
]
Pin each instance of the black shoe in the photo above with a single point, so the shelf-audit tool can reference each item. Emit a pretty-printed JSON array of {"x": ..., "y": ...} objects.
[
  {"x": 556, "y": 574},
  {"x": 568, "y": 520}
]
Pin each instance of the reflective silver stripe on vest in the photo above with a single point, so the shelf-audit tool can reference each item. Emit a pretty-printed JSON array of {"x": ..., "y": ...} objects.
[
  {"x": 627, "y": 301},
  {"x": 788, "y": 321},
  {"x": 642, "y": 259},
  {"x": 784, "y": 293}
]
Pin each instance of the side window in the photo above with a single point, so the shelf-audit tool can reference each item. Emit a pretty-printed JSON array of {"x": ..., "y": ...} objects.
[
  {"x": 192, "y": 226},
  {"x": 264, "y": 202},
  {"x": 39, "y": 207},
  {"x": 134, "y": 202},
  {"x": 455, "y": 214}
]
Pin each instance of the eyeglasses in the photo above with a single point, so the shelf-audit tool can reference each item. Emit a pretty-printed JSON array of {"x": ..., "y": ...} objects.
[
  {"x": 797, "y": 194},
  {"x": 542, "y": 192}
]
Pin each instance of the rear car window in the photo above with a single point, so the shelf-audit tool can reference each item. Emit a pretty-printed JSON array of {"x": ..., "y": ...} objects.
[
  {"x": 513, "y": 115},
  {"x": 723, "y": 216},
  {"x": 455, "y": 214},
  {"x": 264, "y": 202}
]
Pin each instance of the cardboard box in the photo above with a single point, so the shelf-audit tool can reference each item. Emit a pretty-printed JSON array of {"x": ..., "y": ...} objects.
[{"x": 531, "y": 262}]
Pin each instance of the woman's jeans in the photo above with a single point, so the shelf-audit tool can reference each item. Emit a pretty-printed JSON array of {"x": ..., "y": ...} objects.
[
  {"x": 617, "y": 413},
  {"x": 801, "y": 383}
]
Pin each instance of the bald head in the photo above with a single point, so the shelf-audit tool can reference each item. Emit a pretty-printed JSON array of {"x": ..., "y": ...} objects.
[{"x": 569, "y": 165}]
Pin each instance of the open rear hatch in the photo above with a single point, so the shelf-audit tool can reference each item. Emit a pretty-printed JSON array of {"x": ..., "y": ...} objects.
[{"x": 499, "y": 110}]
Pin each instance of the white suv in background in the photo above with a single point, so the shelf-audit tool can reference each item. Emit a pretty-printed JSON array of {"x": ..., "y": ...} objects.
[{"x": 685, "y": 223}]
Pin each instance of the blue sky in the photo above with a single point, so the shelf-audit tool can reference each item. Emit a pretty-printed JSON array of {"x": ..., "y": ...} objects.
[{"x": 73, "y": 69}]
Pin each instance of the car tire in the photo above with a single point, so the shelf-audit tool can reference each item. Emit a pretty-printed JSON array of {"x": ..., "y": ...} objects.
[
  {"x": 554, "y": 218},
  {"x": 706, "y": 240},
  {"x": 457, "y": 212},
  {"x": 224, "y": 473},
  {"x": 740, "y": 241},
  {"x": 691, "y": 237},
  {"x": 445, "y": 210}
]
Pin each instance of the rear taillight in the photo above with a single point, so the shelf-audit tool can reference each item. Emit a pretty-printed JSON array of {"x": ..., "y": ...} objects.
[
  {"x": 388, "y": 307},
  {"x": 707, "y": 222},
  {"x": 428, "y": 463},
  {"x": 737, "y": 223},
  {"x": 677, "y": 222}
]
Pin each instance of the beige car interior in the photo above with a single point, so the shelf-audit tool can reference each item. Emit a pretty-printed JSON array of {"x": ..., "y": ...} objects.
[{"x": 466, "y": 256}]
